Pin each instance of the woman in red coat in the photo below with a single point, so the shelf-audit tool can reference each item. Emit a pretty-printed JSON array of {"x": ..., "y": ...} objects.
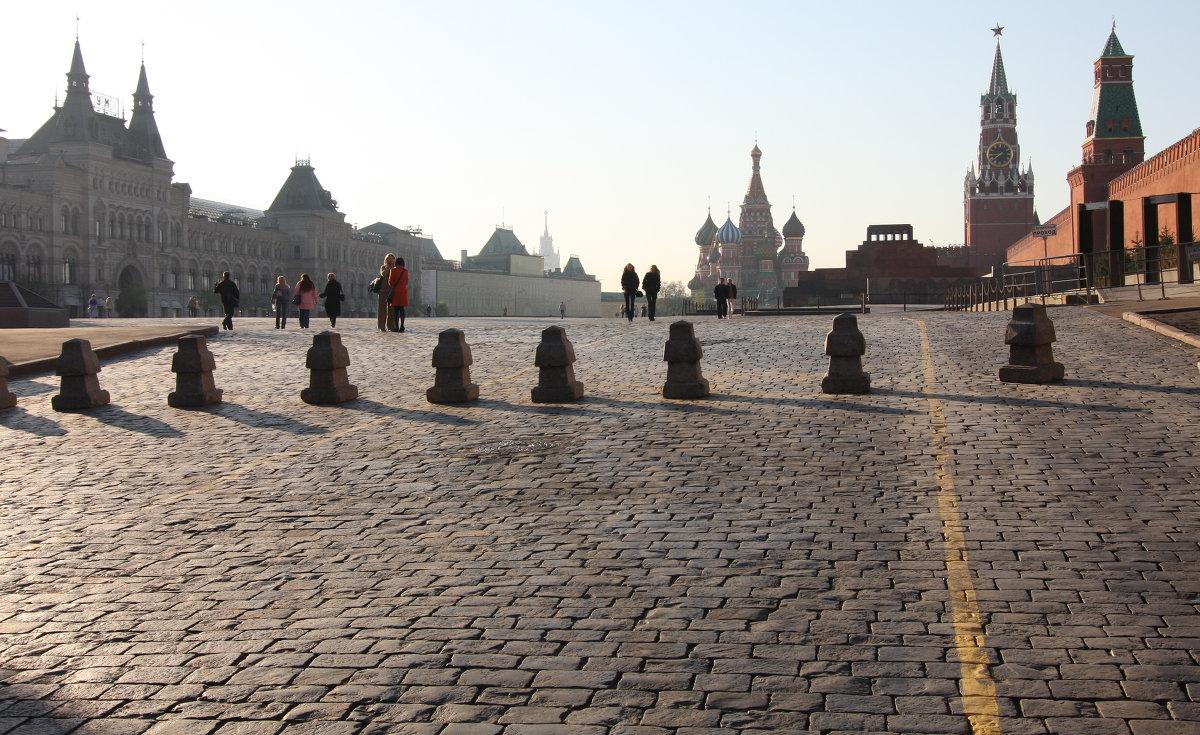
[{"x": 398, "y": 280}]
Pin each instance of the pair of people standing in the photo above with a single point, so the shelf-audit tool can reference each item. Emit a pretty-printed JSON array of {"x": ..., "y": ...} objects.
[
  {"x": 725, "y": 294},
  {"x": 393, "y": 294},
  {"x": 651, "y": 285},
  {"x": 305, "y": 299}
]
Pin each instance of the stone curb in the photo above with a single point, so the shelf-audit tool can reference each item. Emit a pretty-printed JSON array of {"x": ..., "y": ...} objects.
[
  {"x": 1163, "y": 329},
  {"x": 49, "y": 364}
]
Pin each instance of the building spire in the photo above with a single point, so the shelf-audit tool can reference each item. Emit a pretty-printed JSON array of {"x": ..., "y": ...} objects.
[{"x": 999, "y": 81}]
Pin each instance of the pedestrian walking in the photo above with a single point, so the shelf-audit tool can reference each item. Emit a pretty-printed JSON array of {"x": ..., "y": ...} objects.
[
  {"x": 398, "y": 280},
  {"x": 562, "y": 310},
  {"x": 193, "y": 305},
  {"x": 383, "y": 295},
  {"x": 732, "y": 298},
  {"x": 721, "y": 294},
  {"x": 651, "y": 284},
  {"x": 305, "y": 298},
  {"x": 333, "y": 299},
  {"x": 629, "y": 286},
  {"x": 281, "y": 299},
  {"x": 230, "y": 295},
  {"x": 93, "y": 306},
  {"x": 108, "y": 305}
]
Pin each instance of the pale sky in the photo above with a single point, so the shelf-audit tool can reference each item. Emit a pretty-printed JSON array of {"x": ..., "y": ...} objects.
[{"x": 622, "y": 119}]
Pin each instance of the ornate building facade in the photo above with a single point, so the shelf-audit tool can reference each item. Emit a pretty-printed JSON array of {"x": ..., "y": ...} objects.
[
  {"x": 998, "y": 200},
  {"x": 749, "y": 253},
  {"x": 88, "y": 205}
]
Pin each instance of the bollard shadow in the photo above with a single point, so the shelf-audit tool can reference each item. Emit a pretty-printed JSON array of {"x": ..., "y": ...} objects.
[
  {"x": 1005, "y": 400},
  {"x": 29, "y": 388},
  {"x": 679, "y": 405},
  {"x": 1118, "y": 385},
  {"x": 18, "y": 419},
  {"x": 832, "y": 401},
  {"x": 260, "y": 419},
  {"x": 375, "y": 408},
  {"x": 117, "y": 417}
]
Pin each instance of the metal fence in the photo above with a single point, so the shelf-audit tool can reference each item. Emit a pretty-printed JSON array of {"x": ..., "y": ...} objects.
[{"x": 1150, "y": 268}]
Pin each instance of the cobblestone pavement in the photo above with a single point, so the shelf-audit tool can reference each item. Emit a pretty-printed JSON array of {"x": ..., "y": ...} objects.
[{"x": 948, "y": 554}]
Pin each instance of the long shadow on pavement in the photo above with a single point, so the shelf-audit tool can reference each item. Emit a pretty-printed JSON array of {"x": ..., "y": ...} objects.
[
  {"x": 18, "y": 419},
  {"x": 1117, "y": 385},
  {"x": 1002, "y": 400},
  {"x": 261, "y": 419},
  {"x": 118, "y": 417},
  {"x": 434, "y": 417}
]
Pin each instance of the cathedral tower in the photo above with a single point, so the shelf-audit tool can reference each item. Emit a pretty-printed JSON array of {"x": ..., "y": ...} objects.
[
  {"x": 998, "y": 201},
  {"x": 550, "y": 256}
]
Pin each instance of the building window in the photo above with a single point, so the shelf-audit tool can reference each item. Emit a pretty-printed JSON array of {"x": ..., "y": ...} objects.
[
  {"x": 8, "y": 266},
  {"x": 33, "y": 268},
  {"x": 68, "y": 272},
  {"x": 62, "y": 221}
]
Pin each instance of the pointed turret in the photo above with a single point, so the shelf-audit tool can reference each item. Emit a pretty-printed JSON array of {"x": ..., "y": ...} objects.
[
  {"x": 144, "y": 139},
  {"x": 755, "y": 193},
  {"x": 999, "y": 82},
  {"x": 302, "y": 192}
]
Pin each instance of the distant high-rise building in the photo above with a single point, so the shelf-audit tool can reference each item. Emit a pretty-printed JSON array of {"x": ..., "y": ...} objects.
[
  {"x": 548, "y": 253},
  {"x": 998, "y": 200}
]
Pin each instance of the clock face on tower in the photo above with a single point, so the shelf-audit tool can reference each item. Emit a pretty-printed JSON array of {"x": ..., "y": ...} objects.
[{"x": 999, "y": 154}]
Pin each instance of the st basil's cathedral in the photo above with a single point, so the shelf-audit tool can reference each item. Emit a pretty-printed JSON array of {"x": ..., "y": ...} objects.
[{"x": 753, "y": 254}]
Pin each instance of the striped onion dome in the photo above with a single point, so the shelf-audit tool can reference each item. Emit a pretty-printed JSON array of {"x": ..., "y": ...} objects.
[
  {"x": 729, "y": 234},
  {"x": 793, "y": 227}
]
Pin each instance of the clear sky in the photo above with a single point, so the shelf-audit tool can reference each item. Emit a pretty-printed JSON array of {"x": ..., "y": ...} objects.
[{"x": 622, "y": 119}]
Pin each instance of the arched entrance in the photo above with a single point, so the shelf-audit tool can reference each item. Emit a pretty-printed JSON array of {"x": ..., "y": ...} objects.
[{"x": 131, "y": 299}]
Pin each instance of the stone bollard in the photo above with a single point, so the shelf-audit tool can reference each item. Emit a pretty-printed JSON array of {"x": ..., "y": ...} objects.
[
  {"x": 452, "y": 358},
  {"x": 1030, "y": 356},
  {"x": 193, "y": 366},
  {"x": 7, "y": 400},
  {"x": 845, "y": 346},
  {"x": 327, "y": 361},
  {"x": 556, "y": 377},
  {"x": 682, "y": 355},
  {"x": 78, "y": 366}
]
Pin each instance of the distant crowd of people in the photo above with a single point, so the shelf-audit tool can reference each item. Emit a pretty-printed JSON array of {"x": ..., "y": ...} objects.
[{"x": 391, "y": 288}]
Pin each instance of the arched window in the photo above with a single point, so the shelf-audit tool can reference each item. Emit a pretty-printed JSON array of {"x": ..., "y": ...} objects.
[
  {"x": 64, "y": 217},
  {"x": 69, "y": 274},
  {"x": 8, "y": 265},
  {"x": 33, "y": 268}
]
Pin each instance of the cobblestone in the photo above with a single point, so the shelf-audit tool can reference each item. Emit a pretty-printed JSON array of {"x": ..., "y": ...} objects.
[{"x": 769, "y": 559}]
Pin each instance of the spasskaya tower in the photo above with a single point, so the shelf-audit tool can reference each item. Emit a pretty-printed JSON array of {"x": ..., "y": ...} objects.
[{"x": 998, "y": 200}]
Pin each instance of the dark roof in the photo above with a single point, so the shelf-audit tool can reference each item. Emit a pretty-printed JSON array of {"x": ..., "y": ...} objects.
[
  {"x": 429, "y": 250},
  {"x": 381, "y": 228},
  {"x": 1117, "y": 102},
  {"x": 220, "y": 210},
  {"x": 502, "y": 242},
  {"x": 1112, "y": 47},
  {"x": 999, "y": 82},
  {"x": 302, "y": 193},
  {"x": 574, "y": 268}
]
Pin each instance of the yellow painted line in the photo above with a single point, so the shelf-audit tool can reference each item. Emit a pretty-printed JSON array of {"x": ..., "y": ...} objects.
[{"x": 977, "y": 688}]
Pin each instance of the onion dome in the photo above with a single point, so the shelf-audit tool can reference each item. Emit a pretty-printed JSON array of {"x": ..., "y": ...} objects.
[
  {"x": 729, "y": 234},
  {"x": 714, "y": 255},
  {"x": 793, "y": 228},
  {"x": 704, "y": 236}
]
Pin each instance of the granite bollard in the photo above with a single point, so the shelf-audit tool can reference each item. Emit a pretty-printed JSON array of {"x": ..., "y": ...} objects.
[
  {"x": 326, "y": 361},
  {"x": 682, "y": 355},
  {"x": 193, "y": 366},
  {"x": 845, "y": 346},
  {"x": 7, "y": 400},
  {"x": 1030, "y": 356},
  {"x": 80, "y": 388},
  {"x": 452, "y": 358},
  {"x": 556, "y": 376}
]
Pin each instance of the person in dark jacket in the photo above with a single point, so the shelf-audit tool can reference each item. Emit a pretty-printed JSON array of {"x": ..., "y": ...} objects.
[
  {"x": 333, "y": 299},
  {"x": 629, "y": 285},
  {"x": 732, "y": 291},
  {"x": 721, "y": 294},
  {"x": 281, "y": 300},
  {"x": 651, "y": 284},
  {"x": 229, "y": 298}
]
